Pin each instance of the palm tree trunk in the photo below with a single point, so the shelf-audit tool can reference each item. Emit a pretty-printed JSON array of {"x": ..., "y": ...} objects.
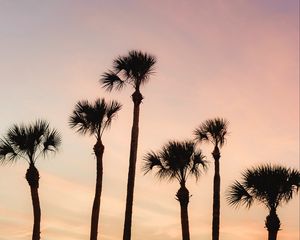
[
  {"x": 137, "y": 99},
  {"x": 183, "y": 198},
  {"x": 272, "y": 224},
  {"x": 99, "y": 150},
  {"x": 216, "y": 195},
  {"x": 272, "y": 235},
  {"x": 32, "y": 177}
]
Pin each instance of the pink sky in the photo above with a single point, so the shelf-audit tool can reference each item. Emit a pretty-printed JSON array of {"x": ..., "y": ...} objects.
[{"x": 235, "y": 59}]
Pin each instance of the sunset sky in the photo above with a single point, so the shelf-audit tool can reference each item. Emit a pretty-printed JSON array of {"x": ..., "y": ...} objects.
[{"x": 235, "y": 59}]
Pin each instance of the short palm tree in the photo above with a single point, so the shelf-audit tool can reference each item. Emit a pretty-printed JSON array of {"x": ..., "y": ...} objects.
[
  {"x": 29, "y": 143},
  {"x": 267, "y": 184},
  {"x": 133, "y": 69},
  {"x": 214, "y": 131},
  {"x": 177, "y": 160},
  {"x": 93, "y": 119}
]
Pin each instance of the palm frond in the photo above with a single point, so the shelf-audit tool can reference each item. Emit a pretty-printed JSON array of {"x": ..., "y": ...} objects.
[
  {"x": 200, "y": 135},
  {"x": 7, "y": 152},
  {"x": 238, "y": 195},
  {"x": 121, "y": 64},
  {"x": 93, "y": 118},
  {"x": 38, "y": 129},
  {"x": 177, "y": 155},
  {"x": 111, "y": 111},
  {"x": 17, "y": 137},
  {"x": 27, "y": 138},
  {"x": 134, "y": 68},
  {"x": 271, "y": 185},
  {"x": 36, "y": 132},
  {"x": 176, "y": 160},
  {"x": 52, "y": 141},
  {"x": 27, "y": 142},
  {"x": 220, "y": 130},
  {"x": 213, "y": 130},
  {"x": 292, "y": 185},
  {"x": 198, "y": 159},
  {"x": 111, "y": 80},
  {"x": 78, "y": 120},
  {"x": 151, "y": 160},
  {"x": 141, "y": 66}
]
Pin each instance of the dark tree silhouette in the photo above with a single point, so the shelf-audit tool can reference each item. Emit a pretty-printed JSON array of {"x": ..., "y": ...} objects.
[
  {"x": 177, "y": 160},
  {"x": 214, "y": 131},
  {"x": 133, "y": 69},
  {"x": 93, "y": 119},
  {"x": 267, "y": 184},
  {"x": 29, "y": 143}
]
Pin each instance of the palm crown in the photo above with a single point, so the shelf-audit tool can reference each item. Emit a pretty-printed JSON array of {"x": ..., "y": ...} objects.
[
  {"x": 270, "y": 185},
  {"x": 212, "y": 130},
  {"x": 29, "y": 142},
  {"x": 176, "y": 160},
  {"x": 133, "y": 69},
  {"x": 93, "y": 118}
]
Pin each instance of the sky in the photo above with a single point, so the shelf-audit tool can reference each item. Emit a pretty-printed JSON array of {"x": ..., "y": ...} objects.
[{"x": 235, "y": 59}]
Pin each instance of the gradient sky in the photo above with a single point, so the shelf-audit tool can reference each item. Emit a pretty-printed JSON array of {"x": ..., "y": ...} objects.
[{"x": 235, "y": 59}]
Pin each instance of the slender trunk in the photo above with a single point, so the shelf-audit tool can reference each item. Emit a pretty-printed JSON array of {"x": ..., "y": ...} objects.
[
  {"x": 272, "y": 224},
  {"x": 272, "y": 235},
  {"x": 216, "y": 195},
  {"x": 99, "y": 150},
  {"x": 137, "y": 99},
  {"x": 183, "y": 198},
  {"x": 32, "y": 177}
]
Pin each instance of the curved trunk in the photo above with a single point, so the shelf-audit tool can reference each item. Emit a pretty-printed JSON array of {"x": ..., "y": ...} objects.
[
  {"x": 32, "y": 177},
  {"x": 216, "y": 195},
  {"x": 137, "y": 99},
  {"x": 98, "y": 150},
  {"x": 183, "y": 198},
  {"x": 272, "y": 224}
]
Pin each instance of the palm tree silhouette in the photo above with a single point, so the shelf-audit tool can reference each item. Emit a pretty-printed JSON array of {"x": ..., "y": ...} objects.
[
  {"x": 267, "y": 184},
  {"x": 93, "y": 119},
  {"x": 133, "y": 69},
  {"x": 177, "y": 160},
  {"x": 214, "y": 131},
  {"x": 30, "y": 143}
]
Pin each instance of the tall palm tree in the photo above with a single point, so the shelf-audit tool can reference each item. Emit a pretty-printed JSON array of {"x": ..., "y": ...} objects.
[
  {"x": 29, "y": 143},
  {"x": 214, "y": 131},
  {"x": 177, "y": 160},
  {"x": 93, "y": 119},
  {"x": 267, "y": 184},
  {"x": 133, "y": 69}
]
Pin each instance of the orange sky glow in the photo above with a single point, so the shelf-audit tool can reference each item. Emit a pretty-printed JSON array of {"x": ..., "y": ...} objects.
[{"x": 235, "y": 59}]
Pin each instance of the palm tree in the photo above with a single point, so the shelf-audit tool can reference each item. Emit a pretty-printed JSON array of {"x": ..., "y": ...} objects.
[
  {"x": 30, "y": 143},
  {"x": 93, "y": 119},
  {"x": 267, "y": 184},
  {"x": 133, "y": 69},
  {"x": 214, "y": 131},
  {"x": 177, "y": 160}
]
